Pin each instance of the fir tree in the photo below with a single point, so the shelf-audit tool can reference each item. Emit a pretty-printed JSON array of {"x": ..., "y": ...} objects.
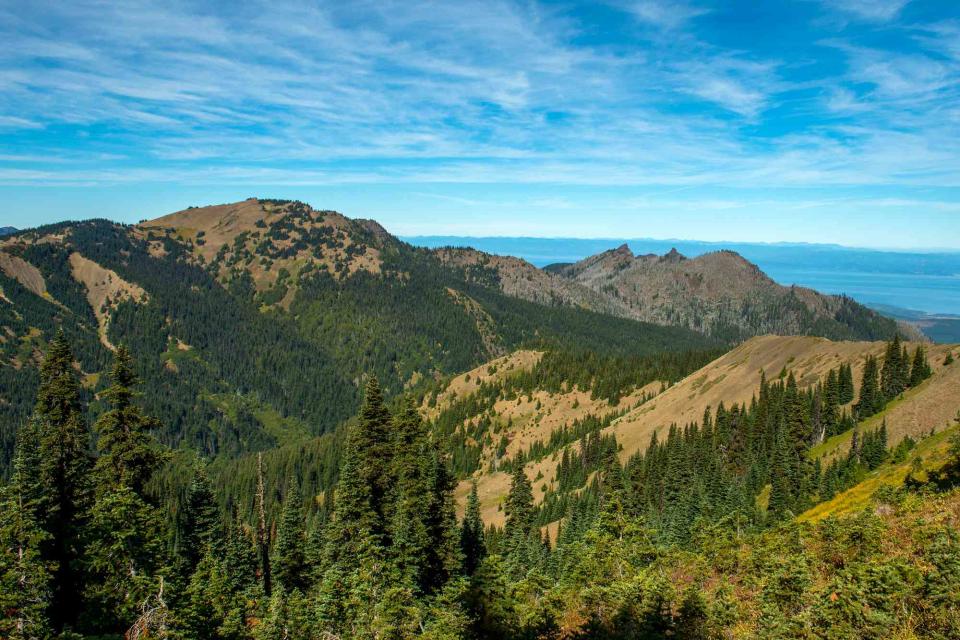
[
  {"x": 519, "y": 525},
  {"x": 125, "y": 547},
  {"x": 359, "y": 522},
  {"x": 782, "y": 478},
  {"x": 894, "y": 376},
  {"x": 129, "y": 455},
  {"x": 288, "y": 563},
  {"x": 25, "y": 578},
  {"x": 845, "y": 383},
  {"x": 412, "y": 498},
  {"x": 124, "y": 557},
  {"x": 61, "y": 480},
  {"x": 519, "y": 505},
  {"x": 443, "y": 559},
  {"x": 472, "y": 544},
  {"x": 200, "y": 522},
  {"x": 871, "y": 400},
  {"x": 920, "y": 370},
  {"x": 831, "y": 404}
]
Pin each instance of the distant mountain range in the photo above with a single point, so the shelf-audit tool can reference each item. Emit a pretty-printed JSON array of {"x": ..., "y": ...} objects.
[
  {"x": 921, "y": 281},
  {"x": 255, "y": 322},
  {"x": 5, "y": 231},
  {"x": 771, "y": 256},
  {"x": 720, "y": 294}
]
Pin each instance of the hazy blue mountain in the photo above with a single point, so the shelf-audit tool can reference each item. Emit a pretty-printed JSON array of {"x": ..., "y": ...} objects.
[
  {"x": 5, "y": 231},
  {"x": 926, "y": 282}
]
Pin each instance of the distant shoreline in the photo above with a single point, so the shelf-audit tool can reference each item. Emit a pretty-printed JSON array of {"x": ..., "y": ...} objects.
[{"x": 919, "y": 282}]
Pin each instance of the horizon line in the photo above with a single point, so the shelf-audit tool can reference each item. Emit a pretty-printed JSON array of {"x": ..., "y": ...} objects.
[{"x": 627, "y": 240}]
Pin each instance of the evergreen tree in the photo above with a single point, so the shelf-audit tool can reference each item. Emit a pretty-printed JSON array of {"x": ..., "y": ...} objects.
[
  {"x": 782, "y": 478},
  {"x": 520, "y": 539},
  {"x": 412, "y": 498},
  {"x": 124, "y": 557},
  {"x": 25, "y": 578},
  {"x": 472, "y": 544},
  {"x": 845, "y": 382},
  {"x": 125, "y": 545},
  {"x": 920, "y": 370},
  {"x": 61, "y": 480},
  {"x": 240, "y": 558},
  {"x": 894, "y": 376},
  {"x": 871, "y": 399},
  {"x": 200, "y": 522},
  {"x": 831, "y": 404},
  {"x": 359, "y": 522},
  {"x": 519, "y": 505},
  {"x": 289, "y": 565},
  {"x": 129, "y": 455},
  {"x": 443, "y": 559}
]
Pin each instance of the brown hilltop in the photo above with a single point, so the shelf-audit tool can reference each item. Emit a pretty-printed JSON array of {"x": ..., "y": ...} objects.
[{"x": 272, "y": 237}]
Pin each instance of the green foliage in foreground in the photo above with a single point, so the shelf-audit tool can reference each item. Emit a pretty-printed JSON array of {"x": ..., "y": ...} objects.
[{"x": 86, "y": 548}]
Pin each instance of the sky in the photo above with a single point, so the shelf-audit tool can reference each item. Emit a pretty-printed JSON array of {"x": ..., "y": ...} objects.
[{"x": 804, "y": 121}]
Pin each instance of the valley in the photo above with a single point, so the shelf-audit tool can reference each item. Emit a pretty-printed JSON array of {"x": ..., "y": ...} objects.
[{"x": 321, "y": 393}]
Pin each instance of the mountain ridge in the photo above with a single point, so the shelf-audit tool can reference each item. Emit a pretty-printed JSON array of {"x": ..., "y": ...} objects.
[{"x": 239, "y": 300}]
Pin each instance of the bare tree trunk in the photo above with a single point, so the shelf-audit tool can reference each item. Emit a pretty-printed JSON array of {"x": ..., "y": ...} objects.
[{"x": 263, "y": 543}]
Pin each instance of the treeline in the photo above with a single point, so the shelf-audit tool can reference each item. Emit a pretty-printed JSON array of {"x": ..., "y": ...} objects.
[
  {"x": 720, "y": 466},
  {"x": 87, "y": 546},
  {"x": 609, "y": 377},
  {"x": 204, "y": 333}
]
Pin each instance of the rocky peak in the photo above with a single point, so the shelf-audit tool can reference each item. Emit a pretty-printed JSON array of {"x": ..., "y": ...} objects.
[{"x": 673, "y": 256}]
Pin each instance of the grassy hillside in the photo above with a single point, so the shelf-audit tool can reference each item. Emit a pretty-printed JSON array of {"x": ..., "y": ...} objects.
[
  {"x": 269, "y": 301},
  {"x": 507, "y": 423}
]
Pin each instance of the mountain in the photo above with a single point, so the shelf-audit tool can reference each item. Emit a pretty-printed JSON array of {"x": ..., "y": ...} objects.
[
  {"x": 723, "y": 295},
  {"x": 5, "y": 231},
  {"x": 632, "y": 479},
  {"x": 256, "y": 322},
  {"x": 515, "y": 408},
  {"x": 520, "y": 279}
]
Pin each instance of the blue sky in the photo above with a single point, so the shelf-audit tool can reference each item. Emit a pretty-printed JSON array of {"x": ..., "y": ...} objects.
[{"x": 833, "y": 121}]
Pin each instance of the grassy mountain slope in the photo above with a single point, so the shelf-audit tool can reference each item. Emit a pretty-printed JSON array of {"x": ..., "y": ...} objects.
[
  {"x": 525, "y": 418},
  {"x": 270, "y": 302}
]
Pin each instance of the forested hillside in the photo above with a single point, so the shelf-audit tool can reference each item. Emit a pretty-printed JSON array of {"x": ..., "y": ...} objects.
[
  {"x": 262, "y": 421},
  {"x": 230, "y": 306},
  {"x": 694, "y": 538},
  {"x": 542, "y": 409}
]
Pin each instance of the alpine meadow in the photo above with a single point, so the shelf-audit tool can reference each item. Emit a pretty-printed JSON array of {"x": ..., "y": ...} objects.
[{"x": 269, "y": 369}]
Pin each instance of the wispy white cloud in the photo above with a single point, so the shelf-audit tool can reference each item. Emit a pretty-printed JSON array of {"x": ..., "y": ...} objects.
[
  {"x": 294, "y": 93},
  {"x": 666, "y": 15},
  {"x": 872, "y": 10}
]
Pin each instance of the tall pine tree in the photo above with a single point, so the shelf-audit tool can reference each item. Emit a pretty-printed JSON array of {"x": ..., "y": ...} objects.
[
  {"x": 472, "y": 544},
  {"x": 125, "y": 550},
  {"x": 60, "y": 482},
  {"x": 289, "y": 566},
  {"x": 25, "y": 579}
]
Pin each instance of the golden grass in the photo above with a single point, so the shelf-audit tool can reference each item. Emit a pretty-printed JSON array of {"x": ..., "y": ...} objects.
[
  {"x": 932, "y": 452},
  {"x": 734, "y": 377}
]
